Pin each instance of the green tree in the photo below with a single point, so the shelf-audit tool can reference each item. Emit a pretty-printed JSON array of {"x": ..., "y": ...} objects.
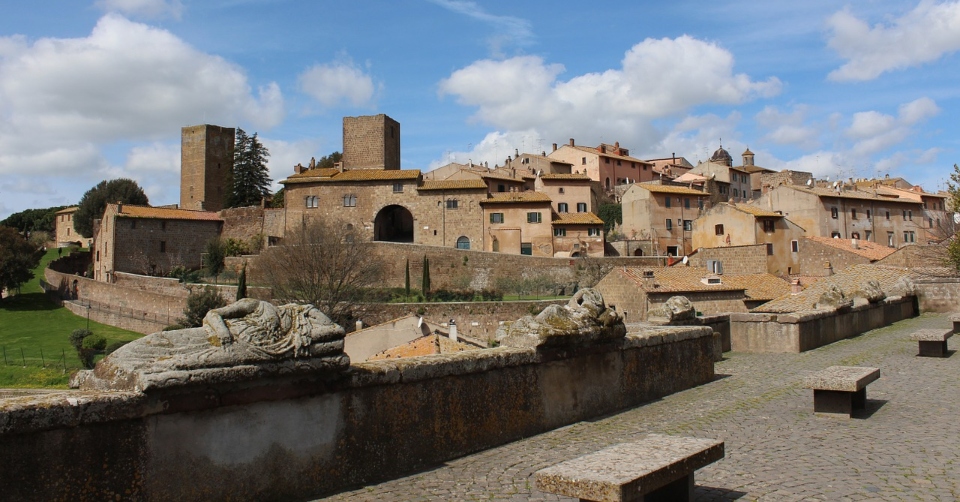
[
  {"x": 18, "y": 258},
  {"x": 425, "y": 280},
  {"x": 331, "y": 160},
  {"x": 33, "y": 220},
  {"x": 242, "y": 283},
  {"x": 199, "y": 302},
  {"x": 278, "y": 198},
  {"x": 406, "y": 281},
  {"x": 250, "y": 177},
  {"x": 95, "y": 200},
  {"x": 953, "y": 204},
  {"x": 611, "y": 214},
  {"x": 213, "y": 258}
]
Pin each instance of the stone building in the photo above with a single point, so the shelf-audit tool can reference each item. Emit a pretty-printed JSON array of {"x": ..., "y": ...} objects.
[
  {"x": 519, "y": 223},
  {"x": 610, "y": 165},
  {"x": 663, "y": 215},
  {"x": 371, "y": 142},
  {"x": 64, "y": 234},
  {"x": 206, "y": 160},
  {"x": 883, "y": 215},
  {"x": 825, "y": 256},
  {"x": 150, "y": 240},
  {"x": 728, "y": 224},
  {"x": 670, "y": 168},
  {"x": 733, "y": 183}
]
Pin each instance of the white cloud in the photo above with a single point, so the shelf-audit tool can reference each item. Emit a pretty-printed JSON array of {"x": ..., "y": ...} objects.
[
  {"x": 504, "y": 30},
  {"x": 874, "y": 131},
  {"x": 657, "y": 78},
  {"x": 149, "y": 9},
  {"x": 331, "y": 84},
  {"x": 925, "y": 34},
  {"x": 154, "y": 157},
  {"x": 286, "y": 154},
  {"x": 61, "y": 99},
  {"x": 787, "y": 128}
]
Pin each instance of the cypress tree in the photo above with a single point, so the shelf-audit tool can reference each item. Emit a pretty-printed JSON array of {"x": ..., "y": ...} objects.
[
  {"x": 242, "y": 284},
  {"x": 425, "y": 285},
  {"x": 407, "y": 279}
]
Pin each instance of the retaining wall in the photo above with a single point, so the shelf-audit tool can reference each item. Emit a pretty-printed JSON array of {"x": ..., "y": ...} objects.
[
  {"x": 303, "y": 437},
  {"x": 802, "y": 331}
]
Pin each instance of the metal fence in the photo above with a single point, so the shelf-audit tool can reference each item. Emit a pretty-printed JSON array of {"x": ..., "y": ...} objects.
[
  {"x": 136, "y": 314},
  {"x": 35, "y": 358}
]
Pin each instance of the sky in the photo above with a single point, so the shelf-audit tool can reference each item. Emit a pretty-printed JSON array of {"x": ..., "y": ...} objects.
[{"x": 99, "y": 89}]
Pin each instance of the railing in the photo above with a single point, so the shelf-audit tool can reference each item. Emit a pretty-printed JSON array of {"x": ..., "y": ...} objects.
[
  {"x": 129, "y": 313},
  {"x": 18, "y": 356}
]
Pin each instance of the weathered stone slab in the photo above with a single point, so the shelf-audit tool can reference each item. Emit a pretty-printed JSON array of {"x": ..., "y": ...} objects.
[
  {"x": 628, "y": 471},
  {"x": 585, "y": 320},
  {"x": 931, "y": 335},
  {"x": 842, "y": 378}
]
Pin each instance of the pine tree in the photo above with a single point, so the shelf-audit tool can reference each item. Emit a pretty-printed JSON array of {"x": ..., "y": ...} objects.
[{"x": 250, "y": 180}]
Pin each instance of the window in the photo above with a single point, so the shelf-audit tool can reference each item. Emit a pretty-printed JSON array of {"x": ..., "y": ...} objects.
[
  {"x": 606, "y": 183},
  {"x": 868, "y": 214},
  {"x": 583, "y": 161},
  {"x": 769, "y": 226},
  {"x": 736, "y": 193},
  {"x": 669, "y": 224},
  {"x": 835, "y": 235},
  {"x": 686, "y": 203},
  {"x": 559, "y": 232},
  {"x": 618, "y": 162},
  {"x": 931, "y": 222},
  {"x": 666, "y": 201},
  {"x": 453, "y": 203},
  {"x": 496, "y": 217},
  {"x": 855, "y": 235},
  {"x": 700, "y": 204},
  {"x": 769, "y": 249},
  {"x": 350, "y": 201},
  {"x": 311, "y": 201},
  {"x": 795, "y": 246},
  {"x": 687, "y": 225},
  {"x": 853, "y": 213},
  {"x": 463, "y": 242},
  {"x": 163, "y": 246},
  {"x": 581, "y": 207},
  {"x": 834, "y": 213},
  {"x": 867, "y": 234},
  {"x": 909, "y": 237},
  {"x": 397, "y": 187},
  {"x": 888, "y": 215},
  {"x": 533, "y": 217},
  {"x": 68, "y": 230},
  {"x": 593, "y": 232},
  {"x": 890, "y": 239},
  {"x": 673, "y": 251},
  {"x": 561, "y": 189},
  {"x": 606, "y": 160},
  {"x": 501, "y": 188},
  {"x": 910, "y": 215},
  {"x": 562, "y": 208},
  {"x": 718, "y": 229},
  {"x": 526, "y": 248}
]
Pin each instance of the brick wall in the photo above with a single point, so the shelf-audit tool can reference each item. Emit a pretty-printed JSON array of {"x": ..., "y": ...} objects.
[
  {"x": 371, "y": 142},
  {"x": 206, "y": 156},
  {"x": 735, "y": 259}
]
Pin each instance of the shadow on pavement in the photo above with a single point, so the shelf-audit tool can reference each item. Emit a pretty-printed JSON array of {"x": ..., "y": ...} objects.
[
  {"x": 870, "y": 407},
  {"x": 711, "y": 493}
]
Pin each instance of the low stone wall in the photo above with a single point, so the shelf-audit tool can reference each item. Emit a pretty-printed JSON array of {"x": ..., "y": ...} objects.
[
  {"x": 307, "y": 436},
  {"x": 938, "y": 294},
  {"x": 802, "y": 331}
]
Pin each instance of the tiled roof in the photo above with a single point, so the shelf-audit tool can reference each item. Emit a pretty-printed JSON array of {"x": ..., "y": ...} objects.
[
  {"x": 324, "y": 175},
  {"x": 690, "y": 177},
  {"x": 129, "y": 211},
  {"x": 756, "y": 211},
  {"x": 70, "y": 209},
  {"x": 513, "y": 197},
  {"x": 846, "y": 194},
  {"x": 577, "y": 219},
  {"x": 453, "y": 185},
  {"x": 756, "y": 169},
  {"x": 502, "y": 176},
  {"x": 670, "y": 189},
  {"x": 609, "y": 154},
  {"x": 912, "y": 195},
  {"x": 571, "y": 177},
  {"x": 848, "y": 280},
  {"x": 759, "y": 286},
  {"x": 423, "y": 346},
  {"x": 867, "y": 249},
  {"x": 674, "y": 280}
]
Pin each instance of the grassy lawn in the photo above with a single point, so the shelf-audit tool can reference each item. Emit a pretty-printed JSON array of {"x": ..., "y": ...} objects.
[{"x": 34, "y": 336}]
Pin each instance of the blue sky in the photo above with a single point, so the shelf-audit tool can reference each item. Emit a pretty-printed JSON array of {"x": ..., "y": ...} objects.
[{"x": 98, "y": 90}]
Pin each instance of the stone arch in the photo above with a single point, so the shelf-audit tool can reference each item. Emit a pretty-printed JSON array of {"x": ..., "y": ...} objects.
[
  {"x": 463, "y": 242},
  {"x": 393, "y": 224},
  {"x": 638, "y": 252}
]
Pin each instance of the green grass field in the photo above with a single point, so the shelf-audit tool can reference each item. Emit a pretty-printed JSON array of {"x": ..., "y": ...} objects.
[{"x": 34, "y": 337}]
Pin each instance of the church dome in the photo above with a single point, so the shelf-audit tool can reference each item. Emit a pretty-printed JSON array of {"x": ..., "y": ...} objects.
[{"x": 722, "y": 156}]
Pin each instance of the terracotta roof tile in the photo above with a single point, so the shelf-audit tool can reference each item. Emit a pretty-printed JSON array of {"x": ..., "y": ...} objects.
[
  {"x": 423, "y": 346},
  {"x": 862, "y": 194},
  {"x": 756, "y": 211},
  {"x": 571, "y": 177},
  {"x": 514, "y": 197},
  {"x": 453, "y": 185},
  {"x": 325, "y": 172},
  {"x": 674, "y": 280},
  {"x": 70, "y": 209},
  {"x": 577, "y": 219},
  {"x": 867, "y": 249},
  {"x": 609, "y": 154},
  {"x": 129, "y": 211},
  {"x": 324, "y": 175},
  {"x": 670, "y": 189},
  {"x": 759, "y": 286}
]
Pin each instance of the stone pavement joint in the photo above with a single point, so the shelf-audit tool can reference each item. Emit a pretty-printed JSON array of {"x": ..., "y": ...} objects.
[{"x": 904, "y": 446}]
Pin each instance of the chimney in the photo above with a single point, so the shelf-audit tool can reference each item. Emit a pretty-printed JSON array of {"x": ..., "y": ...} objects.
[
  {"x": 616, "y": 145},
  {"x": 516, "y": 153},
  {"x": 554, "y": 147},
  {"x": 795, "y": 287},
  {"x": 119, "y": 206},
  {"x": 828, "y": 269},
  {"x": 854, "y": 244},
  {"x": 453, "y": 330},
  {"x": 359, "y": 324},
  {"x": 674, "y": 155},
  {"x": 297, "y": 169},
  {"x": 571, "y": 142}
]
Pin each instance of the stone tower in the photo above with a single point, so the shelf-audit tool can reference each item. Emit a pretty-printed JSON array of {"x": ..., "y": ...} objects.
[
  {"x": 206, "y": 159},
  {"x": 371, "y": 142}
]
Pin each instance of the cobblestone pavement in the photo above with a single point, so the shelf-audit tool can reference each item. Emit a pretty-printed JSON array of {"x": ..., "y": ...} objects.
[{"x": 905, "y": 446}]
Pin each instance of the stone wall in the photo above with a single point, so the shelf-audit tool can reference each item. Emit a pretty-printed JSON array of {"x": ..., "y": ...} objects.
[
  {"x": 938, "y": 294},
  {"x": 802, "y": 331},
  {"x": 304, "y": 437},
  {"x": 735, "y": 259},
  {"x": 815, "y": 256}
]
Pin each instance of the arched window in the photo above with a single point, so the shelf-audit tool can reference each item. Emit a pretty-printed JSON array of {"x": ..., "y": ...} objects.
[
  {"x": 607, "y": 184},
  {"x": 463, "y": 242}
]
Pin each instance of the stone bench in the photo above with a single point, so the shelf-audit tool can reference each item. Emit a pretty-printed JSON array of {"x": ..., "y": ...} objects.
[
  {"x": 955, "y": 318},
  {"x": 933, "y": 342},
  {"x": 839, "y": 390},
  {"x": 655, "y": 468}
]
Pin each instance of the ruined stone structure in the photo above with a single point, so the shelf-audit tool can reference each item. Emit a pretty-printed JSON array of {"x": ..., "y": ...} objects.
[{"x": 206, "y": 159}]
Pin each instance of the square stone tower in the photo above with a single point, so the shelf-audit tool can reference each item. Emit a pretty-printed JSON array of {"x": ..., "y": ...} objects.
[
  {"x": 371, "y": 142},
  {"x": 206, "y": 160}
]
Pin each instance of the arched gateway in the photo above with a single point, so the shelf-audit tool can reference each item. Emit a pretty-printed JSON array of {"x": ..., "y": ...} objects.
[{"x": 393, "y": 224}]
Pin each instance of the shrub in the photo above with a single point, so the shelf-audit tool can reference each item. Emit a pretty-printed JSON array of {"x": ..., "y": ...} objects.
[
  {"x": 184, "y": 275},
  {"x": 77, "y": 336},
  {"x": 199, "y": 302},
  {"x": 95, "y": 342}
]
